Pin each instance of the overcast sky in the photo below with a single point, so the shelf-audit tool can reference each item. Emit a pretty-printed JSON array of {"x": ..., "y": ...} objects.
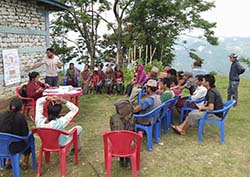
[{"x": 232, "y": 17}]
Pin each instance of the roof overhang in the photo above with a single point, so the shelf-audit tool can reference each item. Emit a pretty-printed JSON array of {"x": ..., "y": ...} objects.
[{"x": 53, "y": 5}]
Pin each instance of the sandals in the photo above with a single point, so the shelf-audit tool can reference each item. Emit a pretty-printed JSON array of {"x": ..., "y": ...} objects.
[
  {"x": 8, "y": 166},
  {"x": 177, "y": 130},
  {"x": 24, "y": 166}
]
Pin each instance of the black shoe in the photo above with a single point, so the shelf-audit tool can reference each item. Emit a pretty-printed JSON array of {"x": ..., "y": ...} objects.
[
  {"x": 72, "y": 152},
  {"x": 127, "y": 163},
  {"x": 122, "y": 161}
]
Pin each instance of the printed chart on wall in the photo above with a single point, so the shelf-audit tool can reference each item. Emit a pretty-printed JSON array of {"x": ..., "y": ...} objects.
[{"x": 11, "y": 67}]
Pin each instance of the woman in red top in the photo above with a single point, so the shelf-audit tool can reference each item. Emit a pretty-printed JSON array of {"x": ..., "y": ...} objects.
[
  {"x": 101, "y": 81},
  {"x": 35, "y": 88},
  {"x": 119, "y": 79}
]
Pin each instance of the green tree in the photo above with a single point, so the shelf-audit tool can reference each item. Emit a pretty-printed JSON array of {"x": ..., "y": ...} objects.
[
  {"x": 160, "y": 22},
  {"x": 245, "y": 60},
  {"x": 82, "y": 18}
]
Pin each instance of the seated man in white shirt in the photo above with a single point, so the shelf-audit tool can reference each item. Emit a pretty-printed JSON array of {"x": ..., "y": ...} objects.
[
  {"x": 200, "y": 92},
  {"x": 53, "y": 120}
]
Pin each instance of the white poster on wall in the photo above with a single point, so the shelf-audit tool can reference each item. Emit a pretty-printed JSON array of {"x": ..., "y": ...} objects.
[{"x": 11, "y": 67}]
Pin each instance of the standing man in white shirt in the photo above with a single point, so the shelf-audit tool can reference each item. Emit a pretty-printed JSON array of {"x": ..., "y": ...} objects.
[{"x": 52, "y": 63}]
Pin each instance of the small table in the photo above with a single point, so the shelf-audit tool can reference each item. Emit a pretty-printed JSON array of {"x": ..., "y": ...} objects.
[{"x": 65, "y": 92}]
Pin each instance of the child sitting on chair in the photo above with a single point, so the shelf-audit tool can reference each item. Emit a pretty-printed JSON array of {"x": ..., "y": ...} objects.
[{"x": 53, "y": 120}]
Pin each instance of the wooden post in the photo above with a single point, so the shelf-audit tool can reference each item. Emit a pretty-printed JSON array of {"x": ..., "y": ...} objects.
[
  {"x": 150, "y": 54},
  {"x": 134, "y": 53},
  {"x": 140, "y": 49}
]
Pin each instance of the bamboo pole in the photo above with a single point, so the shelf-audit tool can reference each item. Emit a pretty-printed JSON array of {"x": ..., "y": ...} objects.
[
  {"x": 140, "y": 50},
  {"x": 134, "y": 53},
  {"x": 152, "y": 55}
]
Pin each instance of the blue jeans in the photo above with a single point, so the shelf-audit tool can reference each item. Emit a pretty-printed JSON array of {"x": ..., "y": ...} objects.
[
  {"x": 51, "y": 80},
  {"x": 232, "y": 91}
]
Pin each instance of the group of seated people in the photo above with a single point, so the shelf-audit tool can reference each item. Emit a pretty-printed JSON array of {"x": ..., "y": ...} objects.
[
  {"x": 14, "y": 122},
  {"x": 167, "y": 85},
  {"x": 170, "y": 84},
  {"x": 93, "y": 82}
]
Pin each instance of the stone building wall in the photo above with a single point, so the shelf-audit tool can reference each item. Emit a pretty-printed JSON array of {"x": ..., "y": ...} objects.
[{"x": 23, "y": 26}]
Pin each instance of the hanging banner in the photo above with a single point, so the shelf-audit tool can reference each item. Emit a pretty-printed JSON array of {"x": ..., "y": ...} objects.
[{"x": 11, "y": 67}]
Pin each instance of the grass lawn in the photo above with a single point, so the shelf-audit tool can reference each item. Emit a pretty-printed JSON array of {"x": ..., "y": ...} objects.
[{"x": 174, "y": 156}]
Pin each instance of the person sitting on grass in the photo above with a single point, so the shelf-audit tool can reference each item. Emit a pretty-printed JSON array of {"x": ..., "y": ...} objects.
[
  {"x": 14, "y": 122},
  {"x": 152, "y": 101},
  {"x": 86, "y": 76},
  {"x": 54, "y": 120},
  {"x": 119, "y": 80},
  {"x": 109, "y": 80},
  {"x": 213, "y": 102},
  {"x": 101, "y": 81},
  {"x": 94, "y": 79}
]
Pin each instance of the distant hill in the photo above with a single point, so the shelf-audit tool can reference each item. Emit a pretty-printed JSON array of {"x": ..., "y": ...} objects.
[{"x": 215, "y": 57}]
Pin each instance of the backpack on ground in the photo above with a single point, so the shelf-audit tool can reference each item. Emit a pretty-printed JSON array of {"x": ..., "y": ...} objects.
[{"x": 123, "y": 119}]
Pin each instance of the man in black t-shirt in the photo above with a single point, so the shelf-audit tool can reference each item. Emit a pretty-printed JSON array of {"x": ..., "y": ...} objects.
[{"x": 213, "y": 102}]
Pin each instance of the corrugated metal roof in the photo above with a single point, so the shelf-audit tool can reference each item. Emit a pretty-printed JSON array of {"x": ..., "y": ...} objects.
[{"x": 54, "y": 5}]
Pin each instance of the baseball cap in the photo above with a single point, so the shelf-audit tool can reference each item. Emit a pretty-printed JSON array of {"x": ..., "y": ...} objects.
[
  {"x": 233, "y": 55},
  {"x": 151, "y": 83}
]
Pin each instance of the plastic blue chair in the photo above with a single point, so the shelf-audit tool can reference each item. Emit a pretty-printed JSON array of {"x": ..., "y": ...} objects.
[
  {"x": 186, "y": 108},
  {"x": 5, "y": 141},
  {"x": 220, "y": 123},
  {"x": 64, "y": 79},
  {"x": 166, "y": 115},
  {"x": 155, "y": 113},
  {"x": 141, "y": 94},
  {"x": 170, "y": 112}
]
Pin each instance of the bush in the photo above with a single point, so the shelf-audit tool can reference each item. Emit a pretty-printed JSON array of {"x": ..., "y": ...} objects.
[{"x": 213, "y": 73}]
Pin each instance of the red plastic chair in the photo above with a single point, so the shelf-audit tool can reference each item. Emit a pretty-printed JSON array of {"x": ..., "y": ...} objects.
[
  {"x": 50, "y": 143},
  {"x": 122, "y": 143},
  {"x": 29, "y": 103}
]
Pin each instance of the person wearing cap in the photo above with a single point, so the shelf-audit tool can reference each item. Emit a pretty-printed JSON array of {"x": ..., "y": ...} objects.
[
  {"x": 153, "y": 73},
  {"x": 152, "y": 101},
  {"x": 235, "y": 71}
]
